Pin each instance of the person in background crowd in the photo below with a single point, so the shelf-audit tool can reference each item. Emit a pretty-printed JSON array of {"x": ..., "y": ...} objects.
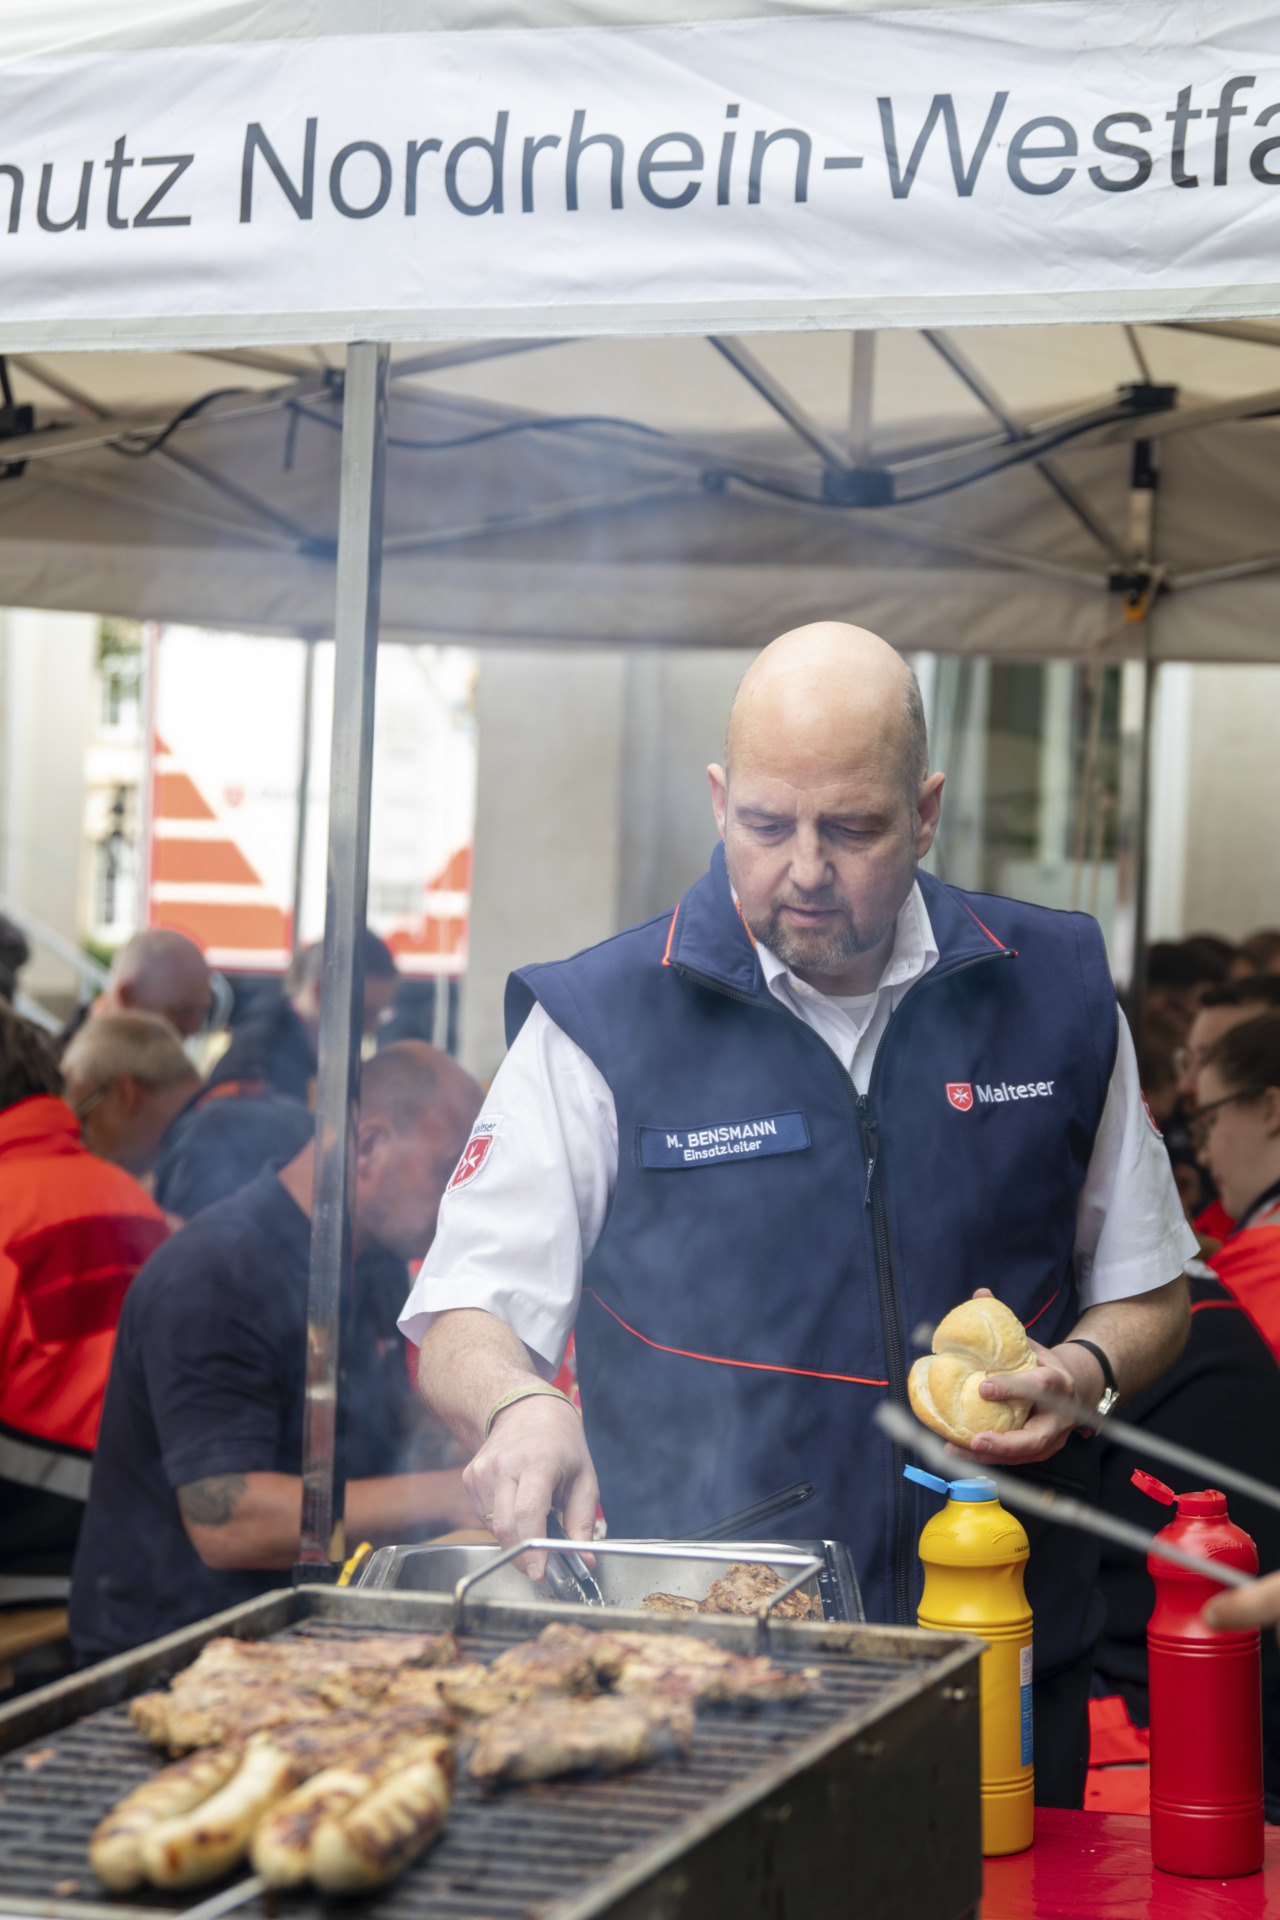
[
  {"x": 197, "y": 1493},
  {"x": 275, "y": 1046},
  {"x": 73, "y": 1232},
  {"x": 1177, "y": 975},
  {"x": 1221, "y": 1008},
  {"x": 155, "y": 971},
  {"x": 1260, "y": 953},
  {"x": 1224, "y": 1384},
  {"x": 1237, "y": 1123},
  {"x": 1211, "y": 947},
  {"x": 14, "y": 954},
  {"x": 127, "y": 1079},
  {"x": 1158, "y": 1044},
  {"x": 220, "y": 1144}
]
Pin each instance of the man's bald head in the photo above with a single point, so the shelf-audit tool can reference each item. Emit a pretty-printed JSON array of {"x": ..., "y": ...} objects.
[
  {"x": 160, "y": 971},
  {"x": 408, "y": 1081},
  {"x": 826, "y": 689},
  {"x": 831, "y": 804}
]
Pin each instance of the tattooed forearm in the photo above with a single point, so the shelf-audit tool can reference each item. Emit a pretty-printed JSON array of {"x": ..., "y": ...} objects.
[{"x": 212, "y": 1502}]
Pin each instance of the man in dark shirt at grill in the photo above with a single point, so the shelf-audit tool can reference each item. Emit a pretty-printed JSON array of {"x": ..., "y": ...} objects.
[
  {"x": 196, "y": 1495},
  {"x": 274, "y": 1046}
]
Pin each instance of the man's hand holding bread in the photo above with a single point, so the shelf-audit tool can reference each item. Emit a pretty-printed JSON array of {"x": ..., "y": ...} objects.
[{"x": 974, "y": 1388}]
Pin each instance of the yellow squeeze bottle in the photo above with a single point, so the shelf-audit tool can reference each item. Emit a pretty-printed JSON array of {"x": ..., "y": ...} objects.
[{"x": 975, "y": 1555}]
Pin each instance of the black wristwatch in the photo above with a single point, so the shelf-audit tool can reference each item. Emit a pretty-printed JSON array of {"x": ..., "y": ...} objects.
[{"x": 1111, "y": 1391}]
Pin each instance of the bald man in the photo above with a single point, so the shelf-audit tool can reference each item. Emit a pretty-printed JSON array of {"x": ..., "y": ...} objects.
[
  {"x": 196, "y": 1496},
  {"x": 746, "y": 1149},
  {"x": 157, "y": 970}
]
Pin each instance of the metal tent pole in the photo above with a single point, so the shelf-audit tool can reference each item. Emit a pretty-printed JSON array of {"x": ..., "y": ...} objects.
[
  {"x": 304, "y": 788},
  {"x": 364, "y": 439}
]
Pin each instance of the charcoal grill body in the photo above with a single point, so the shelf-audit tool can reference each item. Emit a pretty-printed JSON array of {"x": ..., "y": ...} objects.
[{"x": 861, "y": 1801}]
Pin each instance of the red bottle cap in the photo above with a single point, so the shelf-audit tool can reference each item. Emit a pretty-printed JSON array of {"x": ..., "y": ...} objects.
[
  {"x": 1208, "y": 1505},
  {"x": 1147, "y": 1483}
]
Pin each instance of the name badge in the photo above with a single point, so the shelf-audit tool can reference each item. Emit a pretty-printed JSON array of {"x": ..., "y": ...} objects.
[{"x": 735, "y": 1140}]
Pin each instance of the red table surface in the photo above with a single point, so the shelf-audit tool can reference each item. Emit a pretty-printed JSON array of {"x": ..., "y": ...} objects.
[{"x": 1097, "y": 1866}]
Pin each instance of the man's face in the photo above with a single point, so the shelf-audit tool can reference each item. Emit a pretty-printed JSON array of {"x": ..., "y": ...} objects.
[
  {"x": 1206, "y": 1030},
  {"x": 401, "y": 1177},
  {"x": 822, "y": 858}
]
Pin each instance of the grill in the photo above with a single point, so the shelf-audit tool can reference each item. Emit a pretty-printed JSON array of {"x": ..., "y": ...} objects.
[{"x": 863, "y": 1799}]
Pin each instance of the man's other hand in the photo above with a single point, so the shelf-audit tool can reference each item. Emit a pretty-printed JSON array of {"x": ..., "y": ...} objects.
[
  {"x": 1236, "y": 1608},
  {"x": 534, "y": 1462}
]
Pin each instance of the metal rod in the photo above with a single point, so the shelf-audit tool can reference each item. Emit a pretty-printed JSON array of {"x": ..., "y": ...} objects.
[
  {"x": 862, "y": 384},
  {"x": 1065, "y": 488},
  {"x": 775, "y": 395},
  {"x": 1120, "y": 1433},
  {"x": 364, "y": 439},
  {"x": 304, "y": 790},
  {"x": 228, "y": 1900},
  {"x": 1058, "y": 1507}
]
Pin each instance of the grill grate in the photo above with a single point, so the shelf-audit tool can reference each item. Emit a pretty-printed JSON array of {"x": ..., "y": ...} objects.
[{"x": 503, "y": 1856}]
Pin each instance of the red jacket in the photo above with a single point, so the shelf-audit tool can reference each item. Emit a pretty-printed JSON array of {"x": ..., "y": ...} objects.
[
  {"x": 1249, "y": 1264},
  {"x": 73, "y": 1232}
]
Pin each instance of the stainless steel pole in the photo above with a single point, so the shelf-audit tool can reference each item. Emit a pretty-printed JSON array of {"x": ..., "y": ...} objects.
[
  {"x": 364, "y": 439},
  {"x": 304, "y": 789}
]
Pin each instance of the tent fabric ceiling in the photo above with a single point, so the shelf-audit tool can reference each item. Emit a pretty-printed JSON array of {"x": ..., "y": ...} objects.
[
  {"x": 31, "y": 28},
  {"x": 553, "y": 525}
]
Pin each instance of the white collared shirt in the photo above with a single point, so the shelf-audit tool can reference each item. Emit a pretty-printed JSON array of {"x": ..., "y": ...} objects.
[{"x": 513, "y": 1239}]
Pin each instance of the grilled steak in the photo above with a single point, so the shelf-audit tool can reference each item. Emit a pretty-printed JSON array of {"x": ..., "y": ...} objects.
[
  {"x": 236, "y": 1688},
  {"x": 747, "y": 1583},
  {"x": 740, "y": 1590},
  {"x": 556, "y": 1736}
]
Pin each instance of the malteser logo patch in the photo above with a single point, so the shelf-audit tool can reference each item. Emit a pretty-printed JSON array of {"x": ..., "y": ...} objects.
[
  {"x": 993, "y": 1096},
  {"x": 960, "y": 1094},
  {"x": 474, "y": 1155}
]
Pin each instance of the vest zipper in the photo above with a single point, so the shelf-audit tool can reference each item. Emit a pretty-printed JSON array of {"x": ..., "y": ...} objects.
[{"x": 886, "y": 1278}]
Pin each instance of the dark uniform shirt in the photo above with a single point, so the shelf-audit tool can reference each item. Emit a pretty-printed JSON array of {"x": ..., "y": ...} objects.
[
  {"x": 271, "y": 1048},
  {"x": 209, "y": 1378}
]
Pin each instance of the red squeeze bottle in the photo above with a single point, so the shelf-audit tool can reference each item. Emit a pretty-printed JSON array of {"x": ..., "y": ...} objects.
[{"x": 1206, "y": 1702}]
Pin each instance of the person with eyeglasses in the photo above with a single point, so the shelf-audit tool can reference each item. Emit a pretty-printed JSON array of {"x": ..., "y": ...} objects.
[
  {"x": 1236, "y": 1127},
  {"x": 1221, "y": 1008}
]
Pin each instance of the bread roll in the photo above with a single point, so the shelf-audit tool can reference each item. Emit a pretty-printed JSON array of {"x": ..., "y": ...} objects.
[{"x": 976, "y": 1340}]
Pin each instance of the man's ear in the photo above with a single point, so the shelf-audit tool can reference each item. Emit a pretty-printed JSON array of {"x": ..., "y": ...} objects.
[
  {"x": 1270, "y": 1104},
  {"x": 928, "y": 813},
  {"x": 719, "y": 782},
  {"x": 129, "y": 1093},
  {"x": 372, "y": 1136}
]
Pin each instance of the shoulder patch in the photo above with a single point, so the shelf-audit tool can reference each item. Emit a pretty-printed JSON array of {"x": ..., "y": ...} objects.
[{"x": 475, "y": 1155}]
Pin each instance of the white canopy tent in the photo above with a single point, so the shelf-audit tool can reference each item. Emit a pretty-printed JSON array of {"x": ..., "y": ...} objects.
[{"x": 512, "y": 173}]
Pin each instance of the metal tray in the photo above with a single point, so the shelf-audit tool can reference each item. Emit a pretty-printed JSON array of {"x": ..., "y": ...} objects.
[
  {"x": 863, "y": 1799},
  {"x": 623, "y": 1582}
]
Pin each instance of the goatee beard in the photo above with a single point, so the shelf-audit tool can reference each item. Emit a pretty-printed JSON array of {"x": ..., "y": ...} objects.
[{"x": 821, "y": 950}]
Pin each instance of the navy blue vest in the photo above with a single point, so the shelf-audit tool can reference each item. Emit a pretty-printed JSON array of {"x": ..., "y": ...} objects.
[{"x": 775, "y": 1239}]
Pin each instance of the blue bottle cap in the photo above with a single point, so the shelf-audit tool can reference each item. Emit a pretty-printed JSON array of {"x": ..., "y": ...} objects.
[{"x": 956, "y": 1489}]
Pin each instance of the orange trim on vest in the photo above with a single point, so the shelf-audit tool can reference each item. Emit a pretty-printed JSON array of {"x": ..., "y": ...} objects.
[
  {"x": 671, "y": 934},
  {"x": 742, "y": 916},
  {"x": 1202, "y": 1306},
  {"x": 716, "y": 1360},
  {"x": 973, "y": 916}
]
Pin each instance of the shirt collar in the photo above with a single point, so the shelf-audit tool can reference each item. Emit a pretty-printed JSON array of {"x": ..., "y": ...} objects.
[{"x": 915, "y": 951}]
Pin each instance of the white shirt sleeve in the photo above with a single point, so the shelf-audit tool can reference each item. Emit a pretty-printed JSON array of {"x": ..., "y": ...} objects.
[
  {"x": 512, "y": 1239},
  {"x": 1131, "y": 1232}
]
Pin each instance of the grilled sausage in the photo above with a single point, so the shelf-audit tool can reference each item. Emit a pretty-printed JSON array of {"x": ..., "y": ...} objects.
[
  {"x": 206, "y": 1843},
  {"x": 383, "y": 1832},
  {"x": 115, "y": 1851},
  {"x": 281, "y": 1850}
]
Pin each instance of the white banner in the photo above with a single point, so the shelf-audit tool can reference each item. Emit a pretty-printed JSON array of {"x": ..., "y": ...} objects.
[{"x": 1083, "y": 161}]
